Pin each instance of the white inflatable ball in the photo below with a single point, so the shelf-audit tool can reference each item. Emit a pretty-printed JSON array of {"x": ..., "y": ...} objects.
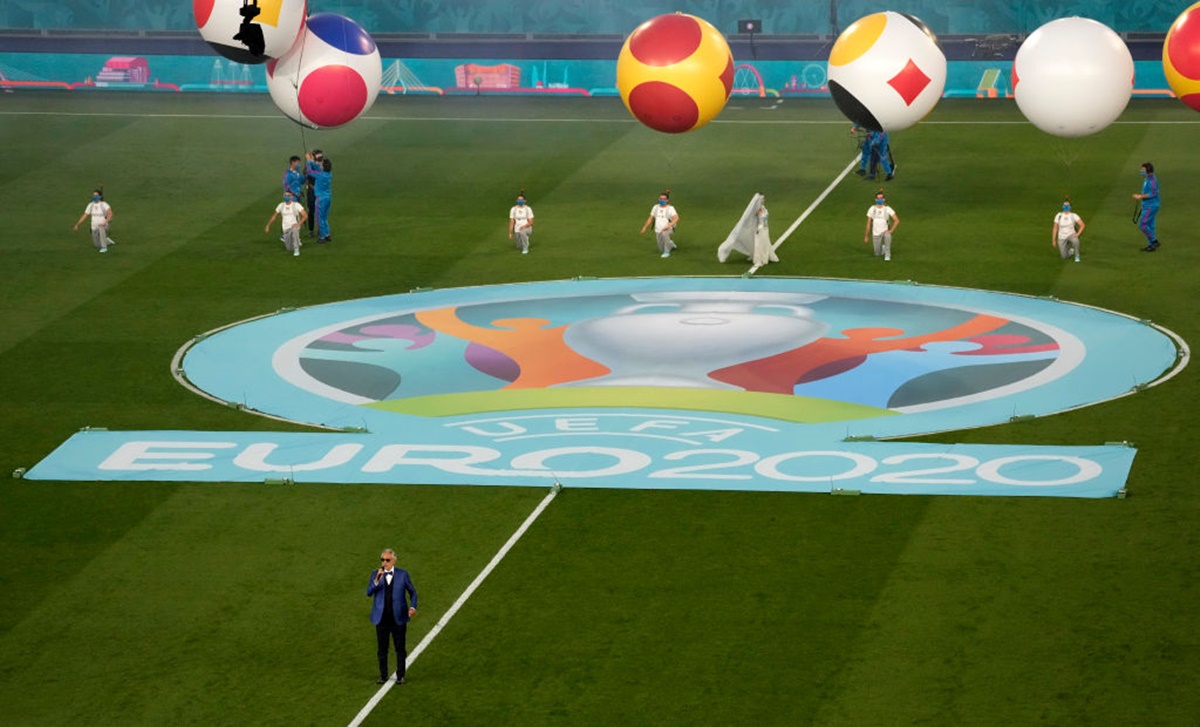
[
  {"x": 250, "y": 31},
  {"x": 330, "y": 77},
  {"x": 1072, "y": 77},
  {"x": 886, "y": 71}
]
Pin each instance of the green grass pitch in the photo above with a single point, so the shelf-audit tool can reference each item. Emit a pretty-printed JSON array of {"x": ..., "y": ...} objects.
[{"x": 205, "y": 604}]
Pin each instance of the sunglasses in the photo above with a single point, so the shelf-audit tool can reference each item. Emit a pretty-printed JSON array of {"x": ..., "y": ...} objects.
[{"x": 385, "y": 560}]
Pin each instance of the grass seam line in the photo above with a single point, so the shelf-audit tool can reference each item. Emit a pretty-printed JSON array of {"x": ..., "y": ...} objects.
[{"x": 458, "y": 603}]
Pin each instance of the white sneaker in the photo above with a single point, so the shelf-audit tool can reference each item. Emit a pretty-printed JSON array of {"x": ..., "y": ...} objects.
[
  {"x": 296, "y": 252},
  {"x": 524, "y": 252},
  {"x": 104, "y": 249},
  {"x": 1076, "y": 257},
  {"x": 665, "y": 254},
  {"x": 887, "y": 257}
]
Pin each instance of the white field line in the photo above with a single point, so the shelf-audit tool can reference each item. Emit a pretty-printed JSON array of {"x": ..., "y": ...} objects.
[
  {"x": 820, "y": 198},
  {"x": 511, "y": 119},
  {"x": 462, "y": 599}
]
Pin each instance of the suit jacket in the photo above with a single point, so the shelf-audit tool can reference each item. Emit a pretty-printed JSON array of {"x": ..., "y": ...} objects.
[{"x": 403, "y": 595}]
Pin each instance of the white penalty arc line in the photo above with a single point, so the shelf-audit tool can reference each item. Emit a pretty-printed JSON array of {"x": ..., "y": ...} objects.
[
  {"x": 458, "y": 603},
  {"x": 820, "y": 198}
]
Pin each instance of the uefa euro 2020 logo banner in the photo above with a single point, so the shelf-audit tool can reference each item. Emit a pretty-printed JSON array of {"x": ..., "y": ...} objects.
[{"x": 778, "y": 384}]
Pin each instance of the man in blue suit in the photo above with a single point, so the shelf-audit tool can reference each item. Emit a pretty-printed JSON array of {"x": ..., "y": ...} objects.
[{"x": 394, "y": 602}]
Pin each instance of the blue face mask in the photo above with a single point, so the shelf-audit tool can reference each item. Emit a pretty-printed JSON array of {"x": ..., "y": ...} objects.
[
  {"x": 287, "y": 198},
  {"x": 1066, "y": 208},
  {"x": 1142, "y": 172},
  {"x": 520, "y": 202},
  {"x": 95, "y": 198},
  {"x": 662, "y": 202},
  {"x": 880, "y": 201}
]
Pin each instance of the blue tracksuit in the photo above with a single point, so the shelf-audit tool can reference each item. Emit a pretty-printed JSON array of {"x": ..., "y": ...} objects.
[
  {"x": 293, "y": 181},
  {"x": 880, "y": 151},
  {"x": 323, "y": 190},
  {"x": 1147, "y": 222}
]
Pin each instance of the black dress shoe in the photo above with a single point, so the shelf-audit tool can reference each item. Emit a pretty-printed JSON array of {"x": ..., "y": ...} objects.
[
  {"x": 1149, "y": 248},
  {"x": 400, "y": 680},
  {"x": 381, "y": 680}
]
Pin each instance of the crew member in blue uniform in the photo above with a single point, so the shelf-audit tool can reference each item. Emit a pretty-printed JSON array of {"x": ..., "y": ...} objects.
[{"x": 1148, "y": 197}]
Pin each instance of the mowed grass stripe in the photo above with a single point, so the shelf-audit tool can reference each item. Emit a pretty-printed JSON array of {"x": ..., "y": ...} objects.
[{"x": 675, "y": 608}]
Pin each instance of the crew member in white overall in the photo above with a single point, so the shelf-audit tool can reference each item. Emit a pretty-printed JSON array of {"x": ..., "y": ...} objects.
[
  {"x": 878, "y": 230},
  {"x": 101, "y": 214},
  {"x": 520, "y": 223},
  {"x": 293, "y": 215},
  {"x": 665, "y": 217},
  {"x": 1065, "y": 236}
]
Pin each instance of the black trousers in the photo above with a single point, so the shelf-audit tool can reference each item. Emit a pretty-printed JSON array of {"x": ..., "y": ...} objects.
[
  {"x": 310, "y": 198},
  {"x": 386, "y": 628}
]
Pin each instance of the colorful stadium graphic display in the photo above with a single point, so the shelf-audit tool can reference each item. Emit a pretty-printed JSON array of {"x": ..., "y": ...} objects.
[{"x": 755, "y": 383}]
